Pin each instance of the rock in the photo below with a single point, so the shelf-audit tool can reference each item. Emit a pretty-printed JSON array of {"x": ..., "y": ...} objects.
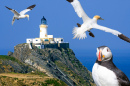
[
  {"x": 10, "y": 64},
  {"x": 58, "y": 63},
  {"x": 10, "y": 53}
]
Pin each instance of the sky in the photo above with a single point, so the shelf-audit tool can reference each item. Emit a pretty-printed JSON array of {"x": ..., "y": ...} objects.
[{"x": 61, "y": 19}]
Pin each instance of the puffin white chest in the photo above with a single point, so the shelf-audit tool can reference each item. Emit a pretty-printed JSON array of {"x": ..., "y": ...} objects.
[{"x": 103, "y": 76}]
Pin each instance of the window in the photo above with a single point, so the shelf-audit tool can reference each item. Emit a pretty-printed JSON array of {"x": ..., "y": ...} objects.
[
  {"x": 61, "y": 39},
  {"x": 46, "y": 40},
  {"x": 39, "y": 47}
]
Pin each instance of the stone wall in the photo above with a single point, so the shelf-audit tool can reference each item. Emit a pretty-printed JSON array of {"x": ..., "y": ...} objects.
[{"x": 57, "y": 45}]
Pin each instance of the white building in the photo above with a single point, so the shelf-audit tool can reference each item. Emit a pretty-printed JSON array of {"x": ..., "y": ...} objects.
[{"x": 44, "y": 38}]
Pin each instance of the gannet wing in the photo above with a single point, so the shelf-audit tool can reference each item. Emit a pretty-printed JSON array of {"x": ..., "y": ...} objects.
[
  {"x": 13, "y": 20},
  {"x": 115, "y": 32},
  {"x": 96, "y": 26},
  {"x": 26, "y": 10},
  {"x": 123, "y": 37},
  {"x": 79, "y": 10},
  {"x": 14, "y": 11}
]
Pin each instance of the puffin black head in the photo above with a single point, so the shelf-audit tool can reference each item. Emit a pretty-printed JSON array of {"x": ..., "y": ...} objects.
[{"x": 104, "y": 53}]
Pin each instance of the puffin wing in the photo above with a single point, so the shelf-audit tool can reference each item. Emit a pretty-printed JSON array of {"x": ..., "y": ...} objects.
[
  {"x": 14, "y": 11},
  {"x": 122, "y": 78},
  {"x": 79, "y": 10},
  {"x": 26, "y": 10},
  {"x": 124, "y": 81},
  {"x": 115, "y": 32}
]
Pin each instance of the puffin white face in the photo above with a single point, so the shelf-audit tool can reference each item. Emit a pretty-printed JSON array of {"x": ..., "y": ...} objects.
[
  {"x": 103, "y": 53},
  {"x": 27, "y": 16}
]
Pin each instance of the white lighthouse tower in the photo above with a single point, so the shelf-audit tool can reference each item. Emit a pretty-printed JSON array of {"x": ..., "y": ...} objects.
[{"x": 43, "y": 28}]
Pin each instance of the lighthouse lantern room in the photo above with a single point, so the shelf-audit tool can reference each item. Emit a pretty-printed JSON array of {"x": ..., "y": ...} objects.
[{"x": 43, "y": 28}]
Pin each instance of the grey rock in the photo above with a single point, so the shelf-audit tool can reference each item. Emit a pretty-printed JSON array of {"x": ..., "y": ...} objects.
[
  {"x": 58, "y": 63},
  {"x": 10, "y": 53}
]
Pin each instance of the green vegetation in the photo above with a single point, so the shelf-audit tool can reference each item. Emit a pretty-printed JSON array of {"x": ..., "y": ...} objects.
[
  {"x": 54, "y": 82},
  {"x": 79, "y": 80},
  {"x": 4, "y": 76},
  {"x": 12, "y": 79},
  {"x": 38, "y": 73},
  {"x": 11, "y": 64},
  {"x": 4, "y": 57}
]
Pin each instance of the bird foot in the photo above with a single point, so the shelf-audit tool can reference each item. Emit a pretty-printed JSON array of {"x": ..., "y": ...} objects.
[
  {"x": 78, "y": 25},
  {"x": 70, "y": 1},
  {"x": 91, "y": 34}
]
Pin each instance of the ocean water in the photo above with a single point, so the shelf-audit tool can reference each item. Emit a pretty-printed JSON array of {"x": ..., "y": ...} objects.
[{"x": 123, "y": 63}]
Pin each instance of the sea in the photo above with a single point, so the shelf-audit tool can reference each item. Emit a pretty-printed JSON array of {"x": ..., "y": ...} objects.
[{"x": 123, "y": 63}]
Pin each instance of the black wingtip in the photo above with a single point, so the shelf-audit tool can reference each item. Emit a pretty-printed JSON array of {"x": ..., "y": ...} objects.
[
  {"x": 8, "y": 8},
  {"x": 123, "y": 37},
  {"x": 70, "y": 0},
  {"x": 31, "y": 7}
]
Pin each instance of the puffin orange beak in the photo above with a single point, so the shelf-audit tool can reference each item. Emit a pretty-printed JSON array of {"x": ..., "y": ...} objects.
[{"x": 99, "y": 56}]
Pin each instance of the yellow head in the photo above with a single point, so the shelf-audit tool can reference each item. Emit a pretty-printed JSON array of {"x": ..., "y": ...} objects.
[
  {"x": 27, "y": 16},
  {"x": 98, "y": 17}
]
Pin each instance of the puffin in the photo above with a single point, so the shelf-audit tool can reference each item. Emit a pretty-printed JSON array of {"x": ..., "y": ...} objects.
[
  {"x": 90, "y": 23},
  {"x": 21, "y": 14},
  {"x": 104, "y": 71}
]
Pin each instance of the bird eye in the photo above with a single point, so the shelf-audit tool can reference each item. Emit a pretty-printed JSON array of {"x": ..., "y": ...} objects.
[{"x": 107, "y": 50}]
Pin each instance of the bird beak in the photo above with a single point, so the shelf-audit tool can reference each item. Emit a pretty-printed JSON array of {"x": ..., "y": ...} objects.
[
  {"x": 28, "y": 18},
  {"x": 100, "y": 56},
  {"x": 101, "y": 18}
]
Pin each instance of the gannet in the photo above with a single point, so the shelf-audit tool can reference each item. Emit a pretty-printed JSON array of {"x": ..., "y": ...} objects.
[
  {"x": 105, "y": 73},
  {"x": 88, "y": 24},
  {"x": 21, "y": 14}
]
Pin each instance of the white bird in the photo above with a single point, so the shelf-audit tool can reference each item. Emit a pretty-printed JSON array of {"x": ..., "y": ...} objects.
[
  {"x": 88, "y": 24},
  {"x": 104, "y": 71},
  {"x": 21, "y": 14}
]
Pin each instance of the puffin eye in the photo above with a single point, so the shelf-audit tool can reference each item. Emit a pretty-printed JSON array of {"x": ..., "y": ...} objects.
[{"x": 107, "y": 50}]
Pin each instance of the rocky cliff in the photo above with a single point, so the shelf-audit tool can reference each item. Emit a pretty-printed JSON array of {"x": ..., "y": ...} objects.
[
  {"x": 16, "y": 73},
  {"x": 11, "y": 64},
  {"x": 58, "y": 63}
]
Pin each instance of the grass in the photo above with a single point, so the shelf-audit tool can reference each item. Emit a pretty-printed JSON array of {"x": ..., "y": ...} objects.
[
  {"x": 53, "y": 82},
  {"x": 11, "y": 80},
  {"x": 79, "y": 80},
  {"x": 4, "y": 57},
  {"x": 4, "y": 76},
  {"x": 39, "y": 73}
]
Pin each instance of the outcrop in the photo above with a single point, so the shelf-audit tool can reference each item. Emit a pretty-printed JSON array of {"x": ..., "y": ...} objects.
[{"x": 57, "y": 63}]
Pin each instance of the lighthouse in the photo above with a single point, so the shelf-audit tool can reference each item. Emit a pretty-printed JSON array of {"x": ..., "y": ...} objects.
[
  {"x": 46, "y": 41},
  {"x": 43, "y": 28}
]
